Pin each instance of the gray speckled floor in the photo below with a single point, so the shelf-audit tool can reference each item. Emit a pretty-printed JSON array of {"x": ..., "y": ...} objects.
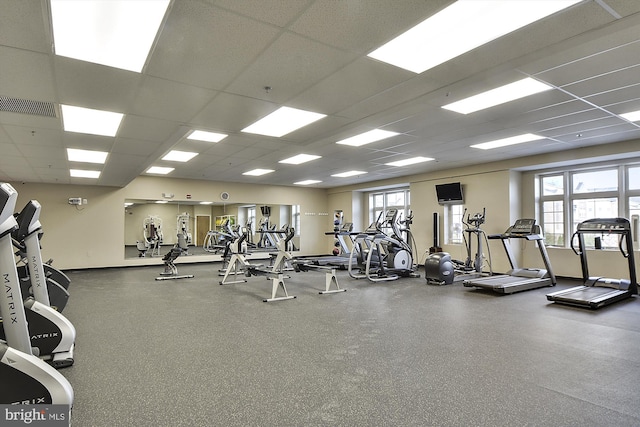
[{"x": 194, "y": 353}]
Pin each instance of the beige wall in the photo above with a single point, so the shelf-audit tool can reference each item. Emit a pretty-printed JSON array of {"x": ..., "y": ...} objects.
[
  {"x": 93, "y": 235},
  {"x": 507, "y": 190}
]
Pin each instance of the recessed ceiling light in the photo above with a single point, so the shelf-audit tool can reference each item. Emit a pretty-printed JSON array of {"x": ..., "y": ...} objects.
[
  {"x": 87, "y": 156},
  {"x": 283, "y": 121},
  {"x": 461, "y": 27},
  {"x": 307, "y": 182},
  {"x": 518, "y": 139},
  {"x": 411, "y": 161},
  {"x": 348, "y": 174},
  {"x": 116, "y": 33},
  {"x": 87, "y": 120},
  {"x": 367, "y": 137},
  {"x": 127, "y": 204},
  {"x": 179, "y": 156},
  {"x": 79, "y": 173},
  {"x": 162, "y": 202},
  {"x": 258, "y": 172},
  {"x": 206, "y": 203},
  {"x": 497, "y": 96},
  {"x": 300, "y": 158},
  {"x": 159, "y": 170},
  {"x": 200, "y": 135},
  {"x": 633, "y": 116}
]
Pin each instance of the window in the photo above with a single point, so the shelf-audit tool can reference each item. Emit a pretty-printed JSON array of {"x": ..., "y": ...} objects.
[
  {"x": 570, "y": 197},
  {"x": 380, "y": 202},
  {"x": 596, "y": 181},
  {"x": 453, "y": 224},
  {"x": 553, "y": 195},
  {"x": 553, "y": 223}
]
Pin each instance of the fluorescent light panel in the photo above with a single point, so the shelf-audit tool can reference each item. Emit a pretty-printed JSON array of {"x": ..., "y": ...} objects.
[
  {"x": 348, "y": 174},
  {"x": 518, "y": 139},
  {"x": 87, "y": 156},
  {"x": 162, "y": 202},
  {"x": 497, "y": 96},
  {"x": 632, "y": 116},
  {"x": 179, "y": 156},
  {"x": 307, "y": 182},
  {"x": 258, "y": 172},
  {"x": 200, "y": 135},
  {"x": 116, "y": 33},
  {"x": 283, "y": 121},
  {"x": 79, "y": 173},
  {"x": 411, "y": 161},
  {"x": 461, "y": 27},
  {"x": 367, "y": 137},
  {"x": 300, "y": 158},
  {"x": 87, "y": 120},
  {"x": 159, "y": 170},
  {"x": 206, "y": 203}
]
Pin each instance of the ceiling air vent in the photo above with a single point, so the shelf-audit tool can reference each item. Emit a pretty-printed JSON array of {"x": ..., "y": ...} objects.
[{"x": 26, "y": 106}]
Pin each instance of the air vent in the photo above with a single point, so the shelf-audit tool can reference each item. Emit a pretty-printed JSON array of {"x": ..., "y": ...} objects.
[{"x": 26, "y": 106}]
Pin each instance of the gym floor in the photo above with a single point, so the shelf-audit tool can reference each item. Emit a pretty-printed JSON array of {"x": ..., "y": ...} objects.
[{"x": 193, "y": 353}]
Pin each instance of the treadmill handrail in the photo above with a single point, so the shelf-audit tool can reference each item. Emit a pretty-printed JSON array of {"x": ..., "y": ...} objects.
[
  {"x": 573, "y": 247},
  {"x": 622, "y": 251}
]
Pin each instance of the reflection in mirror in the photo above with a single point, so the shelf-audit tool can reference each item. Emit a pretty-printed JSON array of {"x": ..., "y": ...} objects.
[{"x": 152, "y": 227}]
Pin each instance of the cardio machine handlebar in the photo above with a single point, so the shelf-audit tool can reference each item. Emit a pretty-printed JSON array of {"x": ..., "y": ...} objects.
[{"x": 573, "y": 246}]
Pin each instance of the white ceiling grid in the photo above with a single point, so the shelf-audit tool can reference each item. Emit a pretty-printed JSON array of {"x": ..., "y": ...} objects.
[{"x": 212, "y": 60}]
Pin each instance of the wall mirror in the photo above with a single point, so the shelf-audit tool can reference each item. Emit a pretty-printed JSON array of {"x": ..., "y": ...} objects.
[{"x": 152, "y": 227}]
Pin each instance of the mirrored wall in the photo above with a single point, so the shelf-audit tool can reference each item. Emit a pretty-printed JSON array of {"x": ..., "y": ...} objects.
[{"x": 152, "y": 227}]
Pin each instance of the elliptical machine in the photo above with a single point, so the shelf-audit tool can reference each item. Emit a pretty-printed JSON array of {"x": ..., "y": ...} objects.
[
  {"x": 26, "y": 379},
  {"x": 474, "y": 267},
  {"x": 441, "y": 269},
  {"x": 390, "y": 257}
]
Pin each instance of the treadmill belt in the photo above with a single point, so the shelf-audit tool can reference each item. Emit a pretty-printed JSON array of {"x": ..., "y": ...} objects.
[
  {"x": 506, "y": 284},
  {"x": 589, "y": 296}
]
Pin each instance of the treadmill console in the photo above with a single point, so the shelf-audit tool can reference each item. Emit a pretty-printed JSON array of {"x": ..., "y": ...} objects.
[
  {"x": 605, "y": 225},
  {"x": 523, "y": 226}
]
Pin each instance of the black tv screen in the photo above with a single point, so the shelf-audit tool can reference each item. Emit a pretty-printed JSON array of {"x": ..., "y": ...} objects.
[
  {"x": 449, "y": 193},
  {"x": 266, "y": 210}
]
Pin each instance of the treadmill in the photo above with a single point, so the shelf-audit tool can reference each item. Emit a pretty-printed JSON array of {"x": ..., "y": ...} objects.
[
  {"x": 518, "y": 279},
  {"x": 597, "y": 292}
]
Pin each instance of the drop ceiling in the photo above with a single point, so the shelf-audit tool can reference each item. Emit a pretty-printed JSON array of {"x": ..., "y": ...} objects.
[{"x": 213, "y": 60}]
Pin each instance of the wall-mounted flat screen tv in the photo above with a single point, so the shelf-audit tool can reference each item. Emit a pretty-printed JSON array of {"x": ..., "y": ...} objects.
[{"x": 449, "y": 193}]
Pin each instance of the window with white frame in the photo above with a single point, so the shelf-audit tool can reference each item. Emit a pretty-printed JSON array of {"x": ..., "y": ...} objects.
[
  {"x": 453, "y": 224},
  {"x": 568, "y": 198},
  {"x": 380, "y": 202}
]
